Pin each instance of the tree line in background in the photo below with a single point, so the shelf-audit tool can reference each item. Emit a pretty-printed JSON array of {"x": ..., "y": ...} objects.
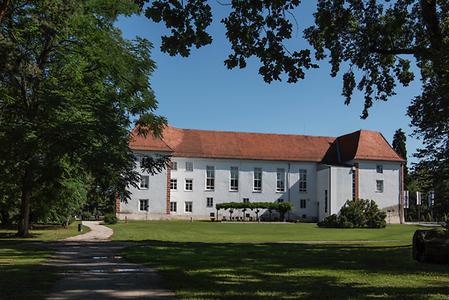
[
  {"x": 71, "y": 87},
  {"x": 423, "y": 178}
]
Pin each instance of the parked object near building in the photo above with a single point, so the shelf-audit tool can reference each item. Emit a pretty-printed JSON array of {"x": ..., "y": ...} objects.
[{"x": 317, "y": 175}]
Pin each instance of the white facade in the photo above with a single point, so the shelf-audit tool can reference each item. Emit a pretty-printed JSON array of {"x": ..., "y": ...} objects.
[{"x": 334, "y": 184}]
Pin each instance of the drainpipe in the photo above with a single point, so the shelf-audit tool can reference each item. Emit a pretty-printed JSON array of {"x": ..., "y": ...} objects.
[
  {"x": 288, "y": 187},
  {"x": 288, "y": 181},
  {"x": 329, "y": 193},
  {"x": 401, "y": 194}
]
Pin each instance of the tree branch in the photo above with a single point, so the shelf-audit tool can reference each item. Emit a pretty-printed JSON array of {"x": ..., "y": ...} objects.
[
  {"x": 418, "y": 51},
  {"x": 4, "y": 8},
  {"x": 430, "y": 18}
]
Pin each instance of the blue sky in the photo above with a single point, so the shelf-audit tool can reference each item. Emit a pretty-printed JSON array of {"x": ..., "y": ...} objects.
[{"x": 200, "y": 92}]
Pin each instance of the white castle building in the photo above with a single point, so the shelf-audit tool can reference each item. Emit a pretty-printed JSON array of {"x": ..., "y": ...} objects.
[{"x": 316, "y": 174}]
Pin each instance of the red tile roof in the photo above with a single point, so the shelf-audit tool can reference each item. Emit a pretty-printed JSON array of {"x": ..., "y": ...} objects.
[
  {"x": 263, "y": 146},
  {"x": 361, "y": 145}
]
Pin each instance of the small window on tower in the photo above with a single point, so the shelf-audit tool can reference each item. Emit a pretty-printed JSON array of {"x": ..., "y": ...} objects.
[{"x": 380, "y": 169}]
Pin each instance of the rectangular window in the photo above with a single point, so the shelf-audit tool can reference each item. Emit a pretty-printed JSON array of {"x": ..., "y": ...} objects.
[
  {"x": 325, "y": 201},
  {"x": 173, "y": 206},
  {"x": 303, "y": 181},
  {"x": 379, "y": 186},
  {"x": 173, "y": 184},
  {"x": 210, "y": 178},
  {"x": 189, "y": 166},
  {"x": 379, "y": 169},
  {"x": 234, "y": 180},
  {"x": 210, "y": 202},
  {"x": 174, "y": 166},
  {"x": 257, "y": 183},
  {"x": 144, "y": 181},
  {"x": 189, "y": 185},
  {"x": 143, "y": 205},
  {"x": 303, "y": 203},
  {"x": 245, "y": 200},
  {"x": 280, "y": 180},
  {"x": 188, "y": 206},
  {"x": 280, "y": 200}
]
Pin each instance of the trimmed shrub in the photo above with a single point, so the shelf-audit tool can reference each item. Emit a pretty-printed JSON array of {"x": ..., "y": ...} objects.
[
  {"x": 330, "y": 221},
  {"x": 86, "y": 216},
  {"x": 281, "y": 207},
  {"x": 110, "y": 219},
  {"x": 359, "y": 213}
]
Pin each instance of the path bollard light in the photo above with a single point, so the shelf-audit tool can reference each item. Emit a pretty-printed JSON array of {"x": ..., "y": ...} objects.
[{"x": 80, "y": 227}]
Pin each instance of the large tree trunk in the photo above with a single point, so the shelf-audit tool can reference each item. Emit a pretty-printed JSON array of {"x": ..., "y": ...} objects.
[
  {"x": 4, "y": 6},
  {"x": 24, "y": 221}
]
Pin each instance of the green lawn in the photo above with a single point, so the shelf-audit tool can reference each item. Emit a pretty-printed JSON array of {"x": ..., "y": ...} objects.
[
  {"x": 213, "y": 260},
  {"x": 23, "y": 274},
  {"x": 179, "y": 231},
  {"x": 42, "y": 232}
]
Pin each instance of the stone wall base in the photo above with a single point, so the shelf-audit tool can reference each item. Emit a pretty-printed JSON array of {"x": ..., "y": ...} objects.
[{"x": 392, "y": 214}]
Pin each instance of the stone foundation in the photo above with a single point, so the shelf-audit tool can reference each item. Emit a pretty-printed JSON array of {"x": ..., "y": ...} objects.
[{"x": 393, "y": 216}]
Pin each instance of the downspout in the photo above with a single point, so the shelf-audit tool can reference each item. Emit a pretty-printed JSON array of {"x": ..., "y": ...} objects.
[
  {"x": 288, "y": 186},
  {"x": 288, "y": 181},
  {"x": 401, "y": 194},
  {"x": 357, "y": 181},
  {"x": 329, "y": 193},
  {"x": 168, "y": 190}
]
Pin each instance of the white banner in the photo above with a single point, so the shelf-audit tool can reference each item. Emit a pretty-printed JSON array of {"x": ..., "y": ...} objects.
[
  {"x": 406, "y": 199},
  {"x": 418, "y": 198},
  {"x": 431, "y": 198}
]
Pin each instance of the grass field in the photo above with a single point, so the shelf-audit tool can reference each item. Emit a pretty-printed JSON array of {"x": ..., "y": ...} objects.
[
  {"x": 213, "y": 260},
  {"x": 42, "y": 232},
  {"x": 179, "y": 231},
  {"x": 23, "y": 274}
]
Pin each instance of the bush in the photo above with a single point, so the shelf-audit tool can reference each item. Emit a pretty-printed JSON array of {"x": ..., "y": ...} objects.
[
  {"x": 330, "y": 221},
  {"x": 110, "y": 219},
  {"x": 358, "y": 213},
  {"x": 86, "y": 216},
  {"x": 431, "y": 246},
  {"x": 281, "y": 207}
]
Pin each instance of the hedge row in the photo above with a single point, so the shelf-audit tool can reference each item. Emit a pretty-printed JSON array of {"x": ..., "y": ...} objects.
[{"x": 279, "y": 206}]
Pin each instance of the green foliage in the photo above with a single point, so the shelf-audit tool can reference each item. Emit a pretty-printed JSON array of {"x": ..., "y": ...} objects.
[
  {"x": 357, "y": 213},
  {"x": 399, "y": 145},
  {"x": 60, "y": 200},
  {"x": 281, "y": 207},
  {"x": 110, "y": 219},
  {"x": 70, "y": 88},
  {"x": 86, "y": 215}
]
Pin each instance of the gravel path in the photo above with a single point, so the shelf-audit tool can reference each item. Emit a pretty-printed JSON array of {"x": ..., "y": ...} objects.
[
  {"x": 97, "y": 233},
  {"x": 92, "y": 268}
]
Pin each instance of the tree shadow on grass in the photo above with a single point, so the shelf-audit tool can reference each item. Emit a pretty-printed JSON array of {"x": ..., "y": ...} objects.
[
  {"x": 22, "y": 275},
  {"x": 259, "y": 271}
]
